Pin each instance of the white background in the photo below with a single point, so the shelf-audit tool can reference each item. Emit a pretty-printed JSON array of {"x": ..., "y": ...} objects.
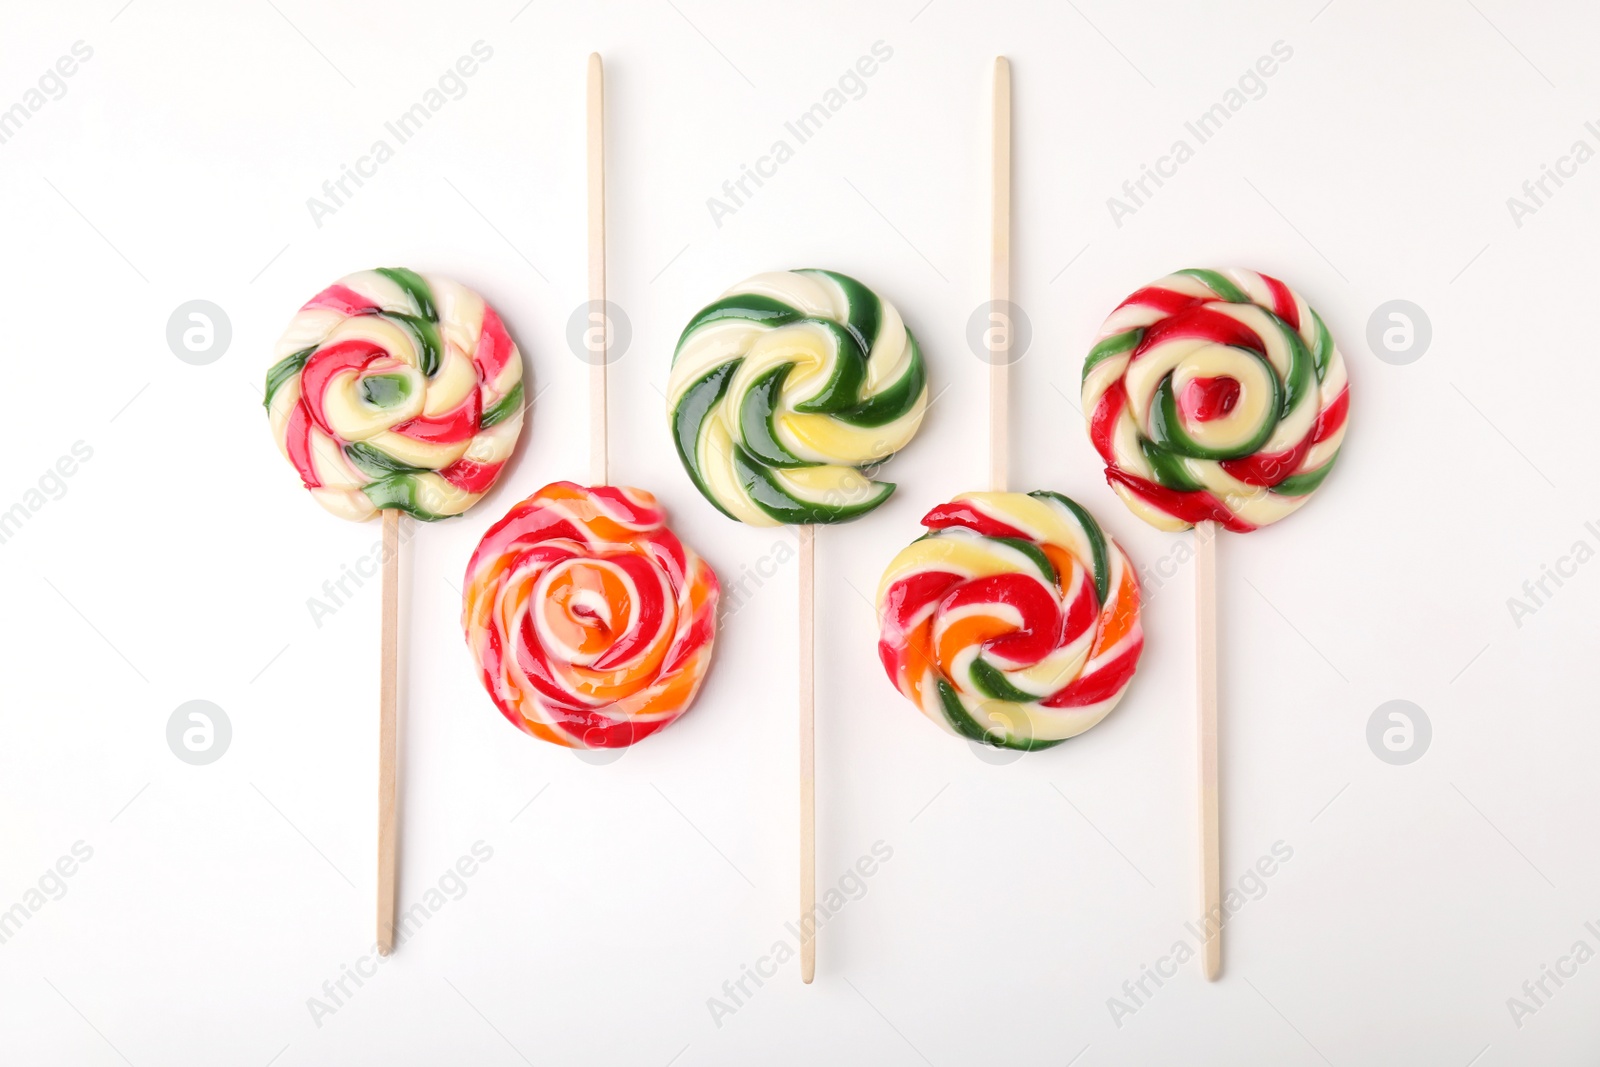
[{"x": 1020, "y": 897}]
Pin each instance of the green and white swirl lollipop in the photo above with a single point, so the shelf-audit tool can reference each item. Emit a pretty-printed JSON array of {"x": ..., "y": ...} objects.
[
  {"x": 785, "y": 392},
  {"x": 787, "y": 389}
]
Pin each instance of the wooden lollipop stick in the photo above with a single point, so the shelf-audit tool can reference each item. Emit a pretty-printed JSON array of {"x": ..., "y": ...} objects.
[
  {"x": 808, "y": 757},
  {"x": 1205, "y": 597},
  {"x": 1000, "y": 278},
  {"x": 597, "y": 272},
  {"x": 388, "y": 734}
]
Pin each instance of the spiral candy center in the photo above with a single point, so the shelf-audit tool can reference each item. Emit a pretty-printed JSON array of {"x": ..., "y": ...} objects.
[
  {"x": 784, "y": 390},
  {"x": 1014, "y": 622},
  {"x": 591, "y": 623},
  {"x": 393, "y": 390},
  {"x": 1215, "y": 395}
]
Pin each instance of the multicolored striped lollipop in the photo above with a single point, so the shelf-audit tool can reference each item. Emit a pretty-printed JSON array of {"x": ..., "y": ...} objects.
[
  {"x": 1014, "y": 621},
  {"x": 393, "y": 390},
  {"x": 590, "y": 622},
  {"x": 1216, "y": 398},
  {"x": 1215, "y": 395}
]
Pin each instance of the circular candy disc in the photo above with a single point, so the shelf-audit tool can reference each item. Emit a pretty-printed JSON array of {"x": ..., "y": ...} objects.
[
  {"x": 1215, "y": 395},
  {"x": 396, "y": 390},
  {"x": 1014, "y": 621},
  {"x": 786, "y": 388},
  {"x": 590, "y": 622}
]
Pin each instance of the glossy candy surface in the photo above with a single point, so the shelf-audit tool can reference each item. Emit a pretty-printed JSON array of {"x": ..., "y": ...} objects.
[
  {"x": 785, "y": 388},
  {"x": 590, "y": 622},
  {"x": 1215, "y": 395},
  {"x": 1014, "y": 621},
  {"x": 395, "y": 390}
]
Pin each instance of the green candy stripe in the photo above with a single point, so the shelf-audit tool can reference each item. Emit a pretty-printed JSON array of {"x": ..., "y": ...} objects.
[
  {"x": 956, "y": 715},
  {"x": 1098, "y": 545},
  {"x": 1302, "y": 484},
  {"x": 842, "y": 391},
  {"x": 423, "y": 325},
  {"x": 747, "y": 306},
  {"x": 992, "y": 683},
  {"x": 1324, "y": 346},
  {"x": 399, "y": 491},
  {"x": 865, "y": 309},
  {"x": 755, "y": 420},
  {"x": 1114, "y": 345},
  {"x": 1299, "y": 384},
  {"x": 1218, "y": 283},
  {"x": 893, "y": 401},
  {"x": 416, "y": 288},
  {"x": 502, "y": 409},
  {"x": 696, "y": 405},
  {"x": 375, "y": 462},
  {"x": 282, "y": 371},
  {"x": 1167, "y": 466},
  {"x": 773, "y": 499},
  {"x": 1036, "y": 556}
]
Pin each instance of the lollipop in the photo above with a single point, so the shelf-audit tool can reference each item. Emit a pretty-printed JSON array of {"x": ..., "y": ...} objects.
[
  {"x": 782, "y": 393},
  {"x": 1216, "y": 398},
  {"x": 591, "y": 623},
  {"x": 1014, "y": 621},
  {"x": 783, "y": 390},
  {"x": 396, "y": 391},
  {"x": 393, "y": 392}
]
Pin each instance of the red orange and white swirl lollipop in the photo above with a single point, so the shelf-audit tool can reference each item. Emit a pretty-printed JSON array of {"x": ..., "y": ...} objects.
[{"x": 591, "y": 624}]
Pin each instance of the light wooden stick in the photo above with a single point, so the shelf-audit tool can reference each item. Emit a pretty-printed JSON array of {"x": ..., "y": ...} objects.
[
  {"x": 1000, "y": 279},
  {"x": 1205, "y": 597},
  {"x": 808, "y": 758},
  {"x": 388, "y": 733},
  {"x": 598, "y": 471}
]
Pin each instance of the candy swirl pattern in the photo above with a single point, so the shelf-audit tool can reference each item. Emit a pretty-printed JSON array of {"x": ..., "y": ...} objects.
[
  {"x": 1013, "y": 622},
  {"x": 590, "y": 622},
  {"x": 783, "y": 390},
  {"x": 395, "y": 390},
  {"x": 1215, "y": 395}
]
